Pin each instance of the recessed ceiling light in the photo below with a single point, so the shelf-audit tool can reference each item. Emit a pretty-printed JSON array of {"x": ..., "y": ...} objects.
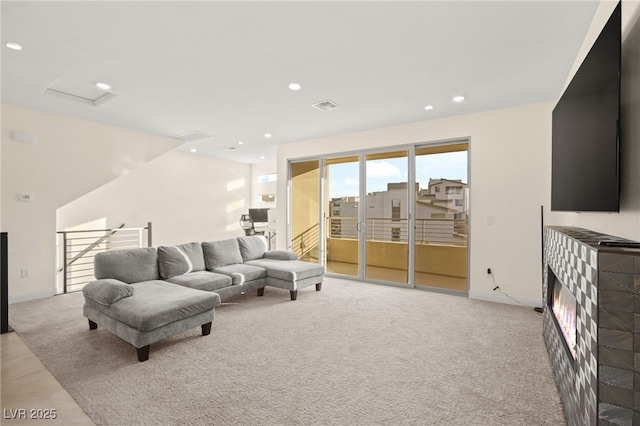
[
  {"x": 231, "y": 148},
  {"x": 240, "y": 142},
  {"x": 262, "y": 157},
  {"x": 267, "y": 135},
  {"x": 459, "y": 98},
  {"x": 294, "y": 86},
  {"x": 103, "y": 86},
  {"x": 193, "y": 150},
  {"x": 428, "y": 107},
  {"x": 14, "y": 46}
]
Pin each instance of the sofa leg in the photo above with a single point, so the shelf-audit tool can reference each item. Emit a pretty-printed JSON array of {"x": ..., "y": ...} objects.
[
  {"x": 294, "y": 294},
  {"x": 318, "y": 286},
  {"x": 206, "y": 329},
  {"x": 92, "y": 325},
  {"x": 143, "y": 353},
  {"x": 261, "y": 291}
]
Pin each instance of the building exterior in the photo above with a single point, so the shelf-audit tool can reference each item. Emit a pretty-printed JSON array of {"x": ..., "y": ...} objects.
[{"x": 440, "y": 213}]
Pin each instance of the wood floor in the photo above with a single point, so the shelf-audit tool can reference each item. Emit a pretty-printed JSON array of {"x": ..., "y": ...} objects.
[{"x": 30, "y": 391}]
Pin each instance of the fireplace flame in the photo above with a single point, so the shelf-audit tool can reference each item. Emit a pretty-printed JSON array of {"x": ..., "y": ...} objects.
[{"x": 564, "y": 309}]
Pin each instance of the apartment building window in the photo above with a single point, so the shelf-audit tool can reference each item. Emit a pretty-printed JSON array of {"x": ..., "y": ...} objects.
[
  {"x": 395, "y": 210},
  {"x": 453, "y": 190}
]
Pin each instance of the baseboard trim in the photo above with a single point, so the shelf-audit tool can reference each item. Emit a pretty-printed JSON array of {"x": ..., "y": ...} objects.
[
  {"x": 23, "y": 297},
  {"x": 501, "y": 298}
]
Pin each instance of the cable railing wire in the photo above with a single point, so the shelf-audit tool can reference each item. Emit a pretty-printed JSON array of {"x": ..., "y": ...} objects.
[{"x": 78, "y": 248}]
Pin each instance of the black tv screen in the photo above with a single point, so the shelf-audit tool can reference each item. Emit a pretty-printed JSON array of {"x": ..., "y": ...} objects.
[
  {"x": 259, "y": 215},
  {"x": 585, "y": 130}
]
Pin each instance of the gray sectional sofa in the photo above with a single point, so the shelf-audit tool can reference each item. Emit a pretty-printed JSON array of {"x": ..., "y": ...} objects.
[{"x": 143, "y": 295}]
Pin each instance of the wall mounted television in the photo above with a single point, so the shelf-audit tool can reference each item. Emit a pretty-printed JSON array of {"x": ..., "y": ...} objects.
[{"x": 585, "y": 171}]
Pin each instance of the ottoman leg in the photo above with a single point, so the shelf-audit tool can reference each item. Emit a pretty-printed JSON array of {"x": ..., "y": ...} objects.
[
  {"x": 294, "y": 294},
  {"x": 261, "y": 291},
  {"x": 143, "y": 353},
  {"x": 318, "y": 286},
  {"x": 92, "y": 325},
  {"x": 206, "y": 329}
]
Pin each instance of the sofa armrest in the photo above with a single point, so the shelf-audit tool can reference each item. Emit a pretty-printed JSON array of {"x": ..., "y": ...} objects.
[
  {"x": 107, "y": 291},
  {"x": 280, "y": 255}
]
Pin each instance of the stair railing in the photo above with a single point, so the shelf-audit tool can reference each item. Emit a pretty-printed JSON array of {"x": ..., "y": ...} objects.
[{"x": 78, "y": 248}]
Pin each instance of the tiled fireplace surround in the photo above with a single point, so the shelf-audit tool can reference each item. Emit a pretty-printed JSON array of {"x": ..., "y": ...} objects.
[{"x": 603, "y": 385}]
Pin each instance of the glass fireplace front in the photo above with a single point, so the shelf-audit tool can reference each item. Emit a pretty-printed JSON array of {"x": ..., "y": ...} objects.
[{"x": 563, "y": 306}]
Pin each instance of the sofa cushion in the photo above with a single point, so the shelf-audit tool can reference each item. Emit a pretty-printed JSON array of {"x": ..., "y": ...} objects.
[
  {"x": 180, "y": 259},
  {"x": 127, "y": 265},
  {"x": 241, "y": 273},
  {"x": 107, "y": 291},
  {"x": 158, "y": 303},
  {"x": 252, "y": 247},
  {"x": 202, "y": 280},
  {"x": 280, "y": 255},
  {"x": 292, "y": 270},
  {"x": 221, "y": 253}
]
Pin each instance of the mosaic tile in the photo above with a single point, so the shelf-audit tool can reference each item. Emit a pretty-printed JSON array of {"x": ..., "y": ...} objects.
[{"x": 607, "y": 289}]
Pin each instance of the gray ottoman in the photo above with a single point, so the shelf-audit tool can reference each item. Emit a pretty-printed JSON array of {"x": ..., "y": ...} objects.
[
  {"x": 291, "y": 275},
  {"x": 146, "y": 312}
]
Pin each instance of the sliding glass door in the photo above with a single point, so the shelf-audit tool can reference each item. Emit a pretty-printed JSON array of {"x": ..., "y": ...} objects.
[
  {"x": 386, "y": 211},
  {"x": 305, "y": 209},
  {"x": 342, "y": 195},
  {"x": 360, "y": 215},
  {"x": 441, "y": 209}
]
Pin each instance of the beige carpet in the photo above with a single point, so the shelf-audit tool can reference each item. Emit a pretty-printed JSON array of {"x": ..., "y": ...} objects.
[{"x": 352, "y": 354}]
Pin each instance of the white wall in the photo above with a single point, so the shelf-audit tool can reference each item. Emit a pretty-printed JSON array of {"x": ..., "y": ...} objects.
[
  {"x": 187, "y": 198},
  {"x": 627, "y": 222},
  {"x": 71, "y": 158},
  {"x": 510, "y": 160},
  {"x": 509, "y": 180}
]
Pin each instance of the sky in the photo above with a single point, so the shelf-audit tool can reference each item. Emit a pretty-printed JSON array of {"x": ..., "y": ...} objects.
[{"x": 344, "y": 176}]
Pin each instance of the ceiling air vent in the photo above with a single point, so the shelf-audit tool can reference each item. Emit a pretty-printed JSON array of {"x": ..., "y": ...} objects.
[
  {"x": 193, "y": 136},
  {"x": 326, "y": 105},
  {"x": 79, "y": 92}
]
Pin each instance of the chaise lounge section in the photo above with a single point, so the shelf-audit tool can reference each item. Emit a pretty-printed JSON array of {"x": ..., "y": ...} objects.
[
  {"x": 131, "y": 302},
  {"x": 143, "y": 295}
]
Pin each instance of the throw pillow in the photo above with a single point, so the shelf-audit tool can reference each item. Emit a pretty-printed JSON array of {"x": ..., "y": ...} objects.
[
  {"x": 172, "y": 261},
  {"x": 180, "y": 259},
  {"x": 253, "y": 247},
  {"x": 221, "y": 253},
  {"x": 107, "y": 291}
]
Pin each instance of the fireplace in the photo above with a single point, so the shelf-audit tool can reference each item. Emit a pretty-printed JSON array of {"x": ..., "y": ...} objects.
[
  {"x": 562, "y": 304},
  {"x": 591, "y": 326}
]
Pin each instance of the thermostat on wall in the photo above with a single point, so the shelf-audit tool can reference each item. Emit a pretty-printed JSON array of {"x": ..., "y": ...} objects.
[{"x": 27, "y": 198}]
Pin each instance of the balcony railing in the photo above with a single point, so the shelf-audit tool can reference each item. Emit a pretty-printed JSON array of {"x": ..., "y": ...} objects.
[
  {"x": 307, "y": 241},
  {"x": 427, "y": 231},
  {"x": 76, "y": 250}
]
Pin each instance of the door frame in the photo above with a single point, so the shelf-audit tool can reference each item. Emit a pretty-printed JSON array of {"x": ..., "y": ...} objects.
[{"x": 411, "y": 196}]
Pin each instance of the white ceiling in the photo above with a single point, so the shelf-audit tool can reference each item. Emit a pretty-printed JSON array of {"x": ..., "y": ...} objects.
[{"x": 223, "y": 68}]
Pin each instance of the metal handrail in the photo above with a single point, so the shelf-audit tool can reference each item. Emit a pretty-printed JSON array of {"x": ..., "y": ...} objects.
[
  {"x": 299, "y": 243},
  {"x": 79, "y": 248},
  {"x": 427, "y": 231},
  {"x": 88, "y": 249}
]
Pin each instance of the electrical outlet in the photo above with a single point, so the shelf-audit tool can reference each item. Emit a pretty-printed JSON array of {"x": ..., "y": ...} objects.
[
  {"x": 25, "y": 272},
  {"x": 488, "y": 271}
]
